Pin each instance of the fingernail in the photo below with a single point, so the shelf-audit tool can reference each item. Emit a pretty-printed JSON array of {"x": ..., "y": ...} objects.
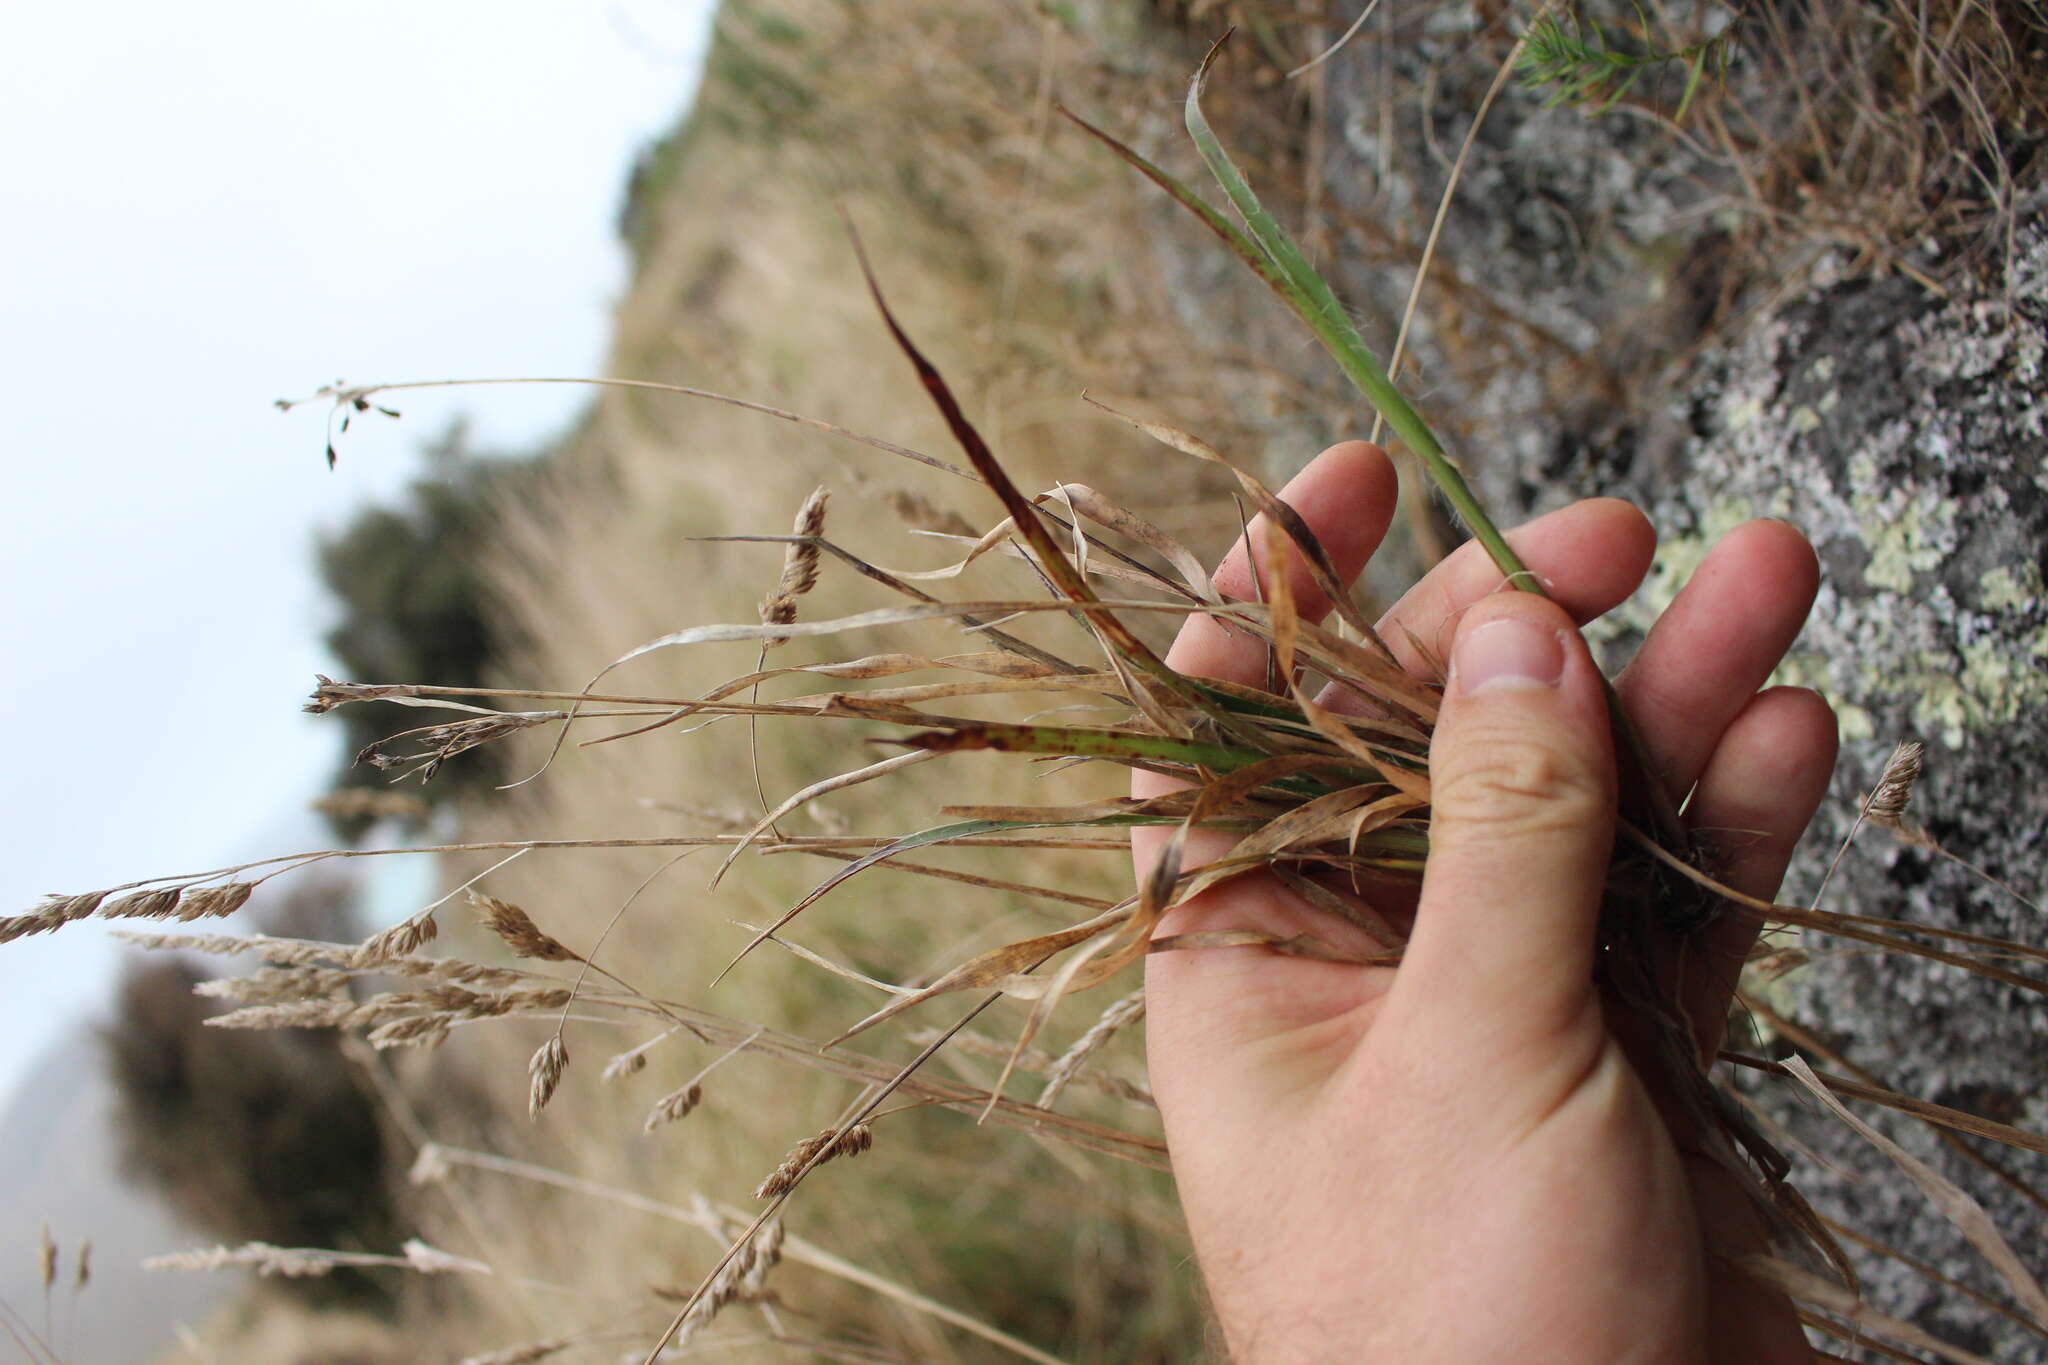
[{"x": 1508, "y": 651}]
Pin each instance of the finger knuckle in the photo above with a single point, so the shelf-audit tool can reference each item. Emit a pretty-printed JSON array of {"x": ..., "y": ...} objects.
[{"x": 1513, "y": 782}]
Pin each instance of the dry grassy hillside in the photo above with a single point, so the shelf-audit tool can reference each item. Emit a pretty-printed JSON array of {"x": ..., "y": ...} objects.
[{"x": 1018, "y": 255}]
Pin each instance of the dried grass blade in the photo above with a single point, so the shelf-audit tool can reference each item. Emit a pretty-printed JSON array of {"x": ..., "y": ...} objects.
[
  {"x": 1323, "y": 820},
  {"x": 1056, "y": 990},
  {"x": 1276, "y": 512},
  {"x": 1077, "y": 741},
  {"x": 1956, "y": 1205},
  {"x": 1808, "y": 1043},
  {"x": 826, "y": 964},
  {"x": 936, "y": 835},
  {"x": 1093, "y": 505},
  {"x": 1802, "y": 1283},
  {"x": 838, "y": 782},
  {"x": 889, "y": 616},
  {"x": 1844, "y": 926},
  {"x": 1050, "y": 560},
  {"x": 1926, "y": 1110},
  {"x": 1333, "y": 727},
  {"x": 1372, "y": 677},
  {"x": 1173, "y": 805},
  {"x": 971, "y": 879},
  {"x": 1357, "y": 913},
  {"x": 993, "y": 967},
  {"x": 1920, "y": 1267}
]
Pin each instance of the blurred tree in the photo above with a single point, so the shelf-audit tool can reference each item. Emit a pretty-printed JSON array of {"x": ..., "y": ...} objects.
[
  {"x": 253, "y": 1135},
  {"x": 415, "y": 605}
]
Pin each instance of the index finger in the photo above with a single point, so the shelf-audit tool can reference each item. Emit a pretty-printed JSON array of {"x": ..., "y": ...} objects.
[
  {"x": 1347, "y": 496},
  {"x": 1588, "y": 557}
]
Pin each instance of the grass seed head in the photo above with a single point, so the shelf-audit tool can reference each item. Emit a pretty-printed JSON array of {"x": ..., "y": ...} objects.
[
  {"x": 673, "y": 1106},
  {"x": 425, "y": 1030},
  {"x": 545, "y": 1072},
  {"x": 812, "y": 1151},
  {"x": 400, "y": 940},
  {"x": 518, "y": 930},
  {"x": 1887, "y": 805},
  {"x": 625, "y": 1064},
  {"x": 436, "y": 744},
  {"x": 799, "y": 566}
]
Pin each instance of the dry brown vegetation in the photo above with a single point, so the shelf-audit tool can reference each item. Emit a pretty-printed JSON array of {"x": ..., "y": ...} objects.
[{"x": 1023, "y": 260}]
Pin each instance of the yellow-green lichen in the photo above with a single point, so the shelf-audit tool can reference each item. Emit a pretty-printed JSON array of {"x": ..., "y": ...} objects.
[
  {"x": 1679, "y": 556},
  {"x": 2010, "y": 587},
  {"x": 1904, "y": 538},
  {"x": 1993, "y": 686},
  {"x": 1806, "y": 669}
]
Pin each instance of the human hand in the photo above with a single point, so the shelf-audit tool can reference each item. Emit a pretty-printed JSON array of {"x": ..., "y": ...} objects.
[{"x": 1454, "y": 1160}]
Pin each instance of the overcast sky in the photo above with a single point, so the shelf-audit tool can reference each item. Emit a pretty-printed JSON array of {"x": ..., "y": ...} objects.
[{"x": 206, "y": 207}]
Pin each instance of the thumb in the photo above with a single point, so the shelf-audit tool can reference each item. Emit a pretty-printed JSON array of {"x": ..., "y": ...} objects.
[{"x": 1522, "y": 777}]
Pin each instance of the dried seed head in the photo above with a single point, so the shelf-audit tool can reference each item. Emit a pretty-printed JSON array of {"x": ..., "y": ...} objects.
[
  {"x": 436, "y": 744},
  {"x": 675, "y": 1105},
  {"x": 291, "y": 1014},
  {"x": 812, "y": 1152},
  {"x": 743, "y": 1276},
  {"x": 158, "y": 904},
  {"x": 400, "y": 940},
  {"x": 545, "y": 1071},
  {"x": 330, "y": 694},
  {"x": 1125, "y": 1011},
  {"x": 262, "y": 1257},
  {"x": 422, "y": 1030},
  {"x": 767, "y": 1248},
  {"x": 69, "y": 908},
  {"x": 1887, "y": 803},
  {"x": 282, "y": 952},
  {"x": 799, "y": 566},
  {"x": 214, "y": 902},
  {"x": 275, "y": 985},
  {"x": 83, "y": 1276},
  {"x": 518, "y": 930},
  {"x": 46, "y": 1257},
  {"x": 625, "y": 1064},
  {"x": 54, "y": 913}
]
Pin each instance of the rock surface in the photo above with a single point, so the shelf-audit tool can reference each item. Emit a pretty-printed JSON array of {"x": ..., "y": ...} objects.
[
  {"x": 1901, "y": 429},
  {"x": 1905, "y": 435}
]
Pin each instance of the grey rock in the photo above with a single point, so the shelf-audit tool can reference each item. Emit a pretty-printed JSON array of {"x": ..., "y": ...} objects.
[
  {"x": 1560, "y": 352},
  {"x": 1905, "y": 435}
]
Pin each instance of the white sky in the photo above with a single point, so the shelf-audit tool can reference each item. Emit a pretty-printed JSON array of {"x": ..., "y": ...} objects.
[{"x": 202, "y": 208}]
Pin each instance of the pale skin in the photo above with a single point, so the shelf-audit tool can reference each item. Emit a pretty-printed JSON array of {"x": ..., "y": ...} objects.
[{"x": 1453, "y": 1160}]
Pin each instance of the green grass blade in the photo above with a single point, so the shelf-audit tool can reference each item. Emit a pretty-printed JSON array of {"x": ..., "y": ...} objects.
[{"x": 1304, "y": 290}]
